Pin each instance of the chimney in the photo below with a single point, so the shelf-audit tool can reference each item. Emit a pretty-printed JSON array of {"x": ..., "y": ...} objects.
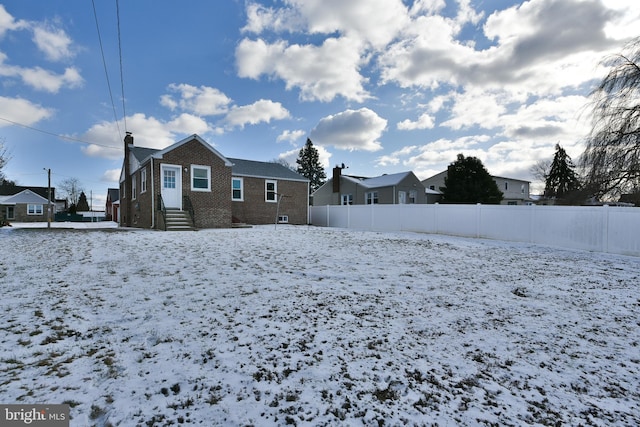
[
  {"x": 337, "y": 173},
  {"x": 125, "y": 201}
]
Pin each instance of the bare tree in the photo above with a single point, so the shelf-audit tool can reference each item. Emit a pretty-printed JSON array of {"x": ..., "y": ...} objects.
[
  {"x": 612, "y": 156},
  {"x": 71, "y": 188},
  {"x": 540, "y": 170},
  {"x": 4, "y": 159}
]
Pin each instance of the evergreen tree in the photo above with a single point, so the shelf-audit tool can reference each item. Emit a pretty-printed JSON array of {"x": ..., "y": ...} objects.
[
  {"x": 562, "y": 178},
  {"x": 82, "y": 206},
  {"x": 468, "y": 182},
  {"x": 309, "y": 166}
]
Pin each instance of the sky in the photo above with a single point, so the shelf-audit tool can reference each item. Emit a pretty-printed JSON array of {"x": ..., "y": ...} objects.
[{"x": 383, "y": 86}]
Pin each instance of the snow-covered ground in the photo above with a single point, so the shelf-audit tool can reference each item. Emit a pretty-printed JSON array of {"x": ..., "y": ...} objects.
[{"x": 316, "y": 326}]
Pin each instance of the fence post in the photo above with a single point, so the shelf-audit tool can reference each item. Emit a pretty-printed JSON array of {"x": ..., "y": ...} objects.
[
  {"x": 605, "y": 229},
  {"x": 478, "y": 220}
]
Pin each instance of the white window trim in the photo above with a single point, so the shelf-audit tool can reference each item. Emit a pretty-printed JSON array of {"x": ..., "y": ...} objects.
[
  {"x": 143, "y": 181},
  {"x": 241, "y": 199},
  {"x": 35, "y": 209},
  {"x": 374, "y": 196},
  {"x": 283, "y": 219},
  {"x": 208, "y": 169},
  {"x": 345, "y": 199},
  {"x": 275, "y": 190},
  {"x": 134, "y": 193}
]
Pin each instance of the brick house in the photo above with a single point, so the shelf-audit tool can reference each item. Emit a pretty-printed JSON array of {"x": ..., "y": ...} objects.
[
  {"x": 25, "y": 206},
  {"x": 191, "y": 185},
  {"x": 112, "y": 205},
  {"x": 398, "y": 188}
]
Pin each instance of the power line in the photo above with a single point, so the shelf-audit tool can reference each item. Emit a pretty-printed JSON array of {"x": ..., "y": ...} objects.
[
  {"x": 124, "y": 111},
  {"x": 68, "y": 138},
  {"x": 104, "y": 62}
]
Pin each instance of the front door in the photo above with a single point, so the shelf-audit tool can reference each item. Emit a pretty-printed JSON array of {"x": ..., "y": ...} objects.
[{"x": 171, "y": 186}]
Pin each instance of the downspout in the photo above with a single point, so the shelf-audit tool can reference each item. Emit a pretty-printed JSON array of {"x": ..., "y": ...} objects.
[
  {"x": 153, "y": 199},
  {"x": 308, "y": 199}
]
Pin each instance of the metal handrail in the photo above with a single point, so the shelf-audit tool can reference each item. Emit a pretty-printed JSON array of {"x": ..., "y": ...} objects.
[
  {"x": 188, "y": 206},
  {"x": 163, "y": 209}
]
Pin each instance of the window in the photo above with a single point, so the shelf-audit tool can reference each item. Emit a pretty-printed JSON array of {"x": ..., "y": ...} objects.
[
  {"x": 133, "y": 187},
  {"x": 10, "y": 213},
  {"x": 371, "y": 198},
  {"x": 237, "y": 189},
  {"x": 522, "y": 189},
  {"x": 169, "y": 179},
  {"x": 143, "y": 180},
  {"x": 200, "y": 178},
  {"x": 432, "y": 187},
  {"x": 34, "y": 209},
  {"x": 506, "y": 185},
  {"x": 283, "y": 219},
  {"x": 271, "y": 190},
  {"x": 347, "y": 199},
  {"x": 512, "y": 203},
  {"x": 413, "y": 196}
]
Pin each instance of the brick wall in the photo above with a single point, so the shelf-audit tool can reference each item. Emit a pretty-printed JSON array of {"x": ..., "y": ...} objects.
[
  {"x": 256, "y": 210},
  {"x": 212, "y": 208}
]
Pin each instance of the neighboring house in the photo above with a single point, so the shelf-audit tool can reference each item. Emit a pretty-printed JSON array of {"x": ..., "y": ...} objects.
[
  {"x": 515, "y": 191},
  {"x": 25, "y": 206},
  {"x": 112, "y": 205},
  {"x": 193, "y": 180},
  {"x": 398, "y": 188}
]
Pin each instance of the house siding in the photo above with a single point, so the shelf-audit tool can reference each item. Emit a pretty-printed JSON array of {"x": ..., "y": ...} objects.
[
  {"x": 254, "y": 209},
  {"x": 20, "y": 213}
]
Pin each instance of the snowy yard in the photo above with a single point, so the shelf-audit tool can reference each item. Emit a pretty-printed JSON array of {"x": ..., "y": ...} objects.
[{"x": 316, "y": 326}]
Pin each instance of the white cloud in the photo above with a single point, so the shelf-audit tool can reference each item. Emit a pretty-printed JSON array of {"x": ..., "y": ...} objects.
[
  {"x": 53, "y": 42},
  {"x": 305, "y": 67},
  {"x": 261, "y": 111},
  {"x": 425, "y": 121},
  {"x": 261, "y": 18},
  {"x": 203, "y": 100},
  {"x": 291, "y": 156},
  {"x": 148, "y": 132},
  {"x": 111, "y": 175},
  {"x": 41, "y": 79},
  {"x": 373, "y": 22},
  {"x": 22, "y": 111},
  {"x": 8, "y": 23},
  {"x": 291, "y": 136},
  {"x": 350, "y": 130}
]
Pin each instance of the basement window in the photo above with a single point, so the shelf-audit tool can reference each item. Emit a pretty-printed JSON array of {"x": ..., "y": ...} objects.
[{"x": 283, "y": 219}]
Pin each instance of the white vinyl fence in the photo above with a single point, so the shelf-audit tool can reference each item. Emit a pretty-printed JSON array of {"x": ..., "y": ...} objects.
[{"x": 599, "y": 228}]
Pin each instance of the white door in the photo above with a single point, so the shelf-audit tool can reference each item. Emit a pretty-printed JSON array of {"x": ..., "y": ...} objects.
[
  {"x": 402, "y": 197},
  {"x": 171, "y": 186}
]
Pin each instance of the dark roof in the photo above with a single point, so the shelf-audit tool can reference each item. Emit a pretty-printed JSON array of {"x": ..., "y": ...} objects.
[
  {"x": 263, "y": 170},
  {"x": 141, "y": 153},
  {"x": 10, "y": 190},
  {"x": 113, "y": 194}
]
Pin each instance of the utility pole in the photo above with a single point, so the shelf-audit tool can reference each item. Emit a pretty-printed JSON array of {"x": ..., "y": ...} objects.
[{"x": 49, "y": 198}]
